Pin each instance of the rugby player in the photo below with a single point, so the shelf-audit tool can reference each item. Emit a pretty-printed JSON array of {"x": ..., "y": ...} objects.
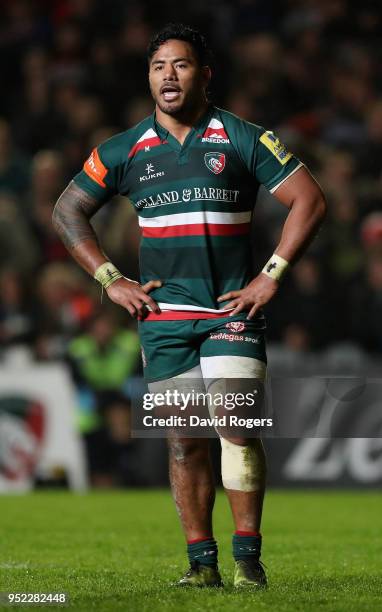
[{"x": 192, "y": 172}]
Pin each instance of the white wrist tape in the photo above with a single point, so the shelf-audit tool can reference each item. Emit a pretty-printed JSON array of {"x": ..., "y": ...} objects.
[
  {"x": 106, "y": 274},
  {"x": 275, "y": 267}
]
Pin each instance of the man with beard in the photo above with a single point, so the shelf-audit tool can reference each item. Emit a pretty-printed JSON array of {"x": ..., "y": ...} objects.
[{"x": 192, "y": 172}]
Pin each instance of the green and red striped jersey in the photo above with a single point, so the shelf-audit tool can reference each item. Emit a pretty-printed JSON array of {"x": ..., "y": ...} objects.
[{"x": 194, "y": 201}]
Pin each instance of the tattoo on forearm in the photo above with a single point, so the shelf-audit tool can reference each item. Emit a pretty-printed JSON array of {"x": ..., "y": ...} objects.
[{"x": 71, "y": 216}]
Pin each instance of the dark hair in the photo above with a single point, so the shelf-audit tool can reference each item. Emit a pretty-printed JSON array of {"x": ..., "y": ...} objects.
[{"x": 178, "y": 31}]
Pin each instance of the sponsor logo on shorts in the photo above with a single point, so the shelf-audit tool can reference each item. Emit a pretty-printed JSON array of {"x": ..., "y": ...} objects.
[
  {"x": 225, "y": 336},
  {"x": 215, "y": 162},
  {"x": 234, "y": 337},
  {"x": 236, "y": 326}
]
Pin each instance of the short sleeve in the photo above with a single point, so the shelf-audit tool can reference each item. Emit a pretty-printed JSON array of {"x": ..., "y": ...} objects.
[
  {"x": 99, "y": 176},
  {"x": 273, "y": 162},
  {"x": 266, "y": 158}
]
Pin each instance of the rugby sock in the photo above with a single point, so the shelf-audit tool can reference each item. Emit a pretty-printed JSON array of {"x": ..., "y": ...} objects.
[
  {"x": 203, "y": 550},
  {"x": 246, "y": 545}
]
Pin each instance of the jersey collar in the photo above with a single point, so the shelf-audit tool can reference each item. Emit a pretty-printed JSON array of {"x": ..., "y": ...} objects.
[{"x": 200, "y": 126}]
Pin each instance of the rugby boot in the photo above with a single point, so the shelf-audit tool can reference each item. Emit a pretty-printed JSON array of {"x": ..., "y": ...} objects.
[
  {"x": 249, "y": 574},
  {"x": 200, "y": 576}
]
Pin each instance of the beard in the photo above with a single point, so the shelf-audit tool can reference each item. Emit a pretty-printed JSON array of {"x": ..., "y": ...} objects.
[
  {"x": 170, "y": 108},
  {"x": 187, "y": 104}
]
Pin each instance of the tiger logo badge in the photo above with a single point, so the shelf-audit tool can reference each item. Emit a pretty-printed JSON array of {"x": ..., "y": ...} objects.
[{"x": 215, "y": 162}]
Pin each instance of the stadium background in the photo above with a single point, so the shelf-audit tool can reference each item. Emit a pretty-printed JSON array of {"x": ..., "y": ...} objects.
[{"x": 74, "y": 72}]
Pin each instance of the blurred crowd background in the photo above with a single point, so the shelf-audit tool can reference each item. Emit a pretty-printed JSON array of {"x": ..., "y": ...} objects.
[{"x": 74, "y": 72}]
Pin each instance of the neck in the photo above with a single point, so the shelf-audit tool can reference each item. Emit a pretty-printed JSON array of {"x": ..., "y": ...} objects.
[{"x": 180, "y": 125}]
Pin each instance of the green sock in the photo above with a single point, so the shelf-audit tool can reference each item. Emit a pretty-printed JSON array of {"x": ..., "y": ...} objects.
[
  {"x": 246, "y": 546},
  {"x": 203, "y": 550}
]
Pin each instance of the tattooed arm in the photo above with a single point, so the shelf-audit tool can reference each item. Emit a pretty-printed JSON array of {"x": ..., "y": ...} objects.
[{"x": 71, "y": 220}]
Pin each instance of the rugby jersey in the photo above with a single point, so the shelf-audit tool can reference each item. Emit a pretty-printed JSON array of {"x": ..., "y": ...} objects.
[{"x": 194, "y": 201}]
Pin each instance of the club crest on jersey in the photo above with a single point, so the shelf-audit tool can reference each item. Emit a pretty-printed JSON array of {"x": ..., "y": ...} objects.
[
  {"x": 215, "y": 162},
  {"x": 236, "y": 326}
]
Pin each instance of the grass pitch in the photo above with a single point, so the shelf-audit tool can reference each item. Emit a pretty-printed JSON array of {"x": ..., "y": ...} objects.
[{"x": 121, "y": 550}]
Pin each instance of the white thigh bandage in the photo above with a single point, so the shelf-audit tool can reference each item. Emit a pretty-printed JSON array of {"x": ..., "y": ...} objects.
[
  {"x": 243, "y": 467},
  {"x": 180, "y": 382},
  {"x": 220, "y": 373},
  {"x": 232, "y": 366}
]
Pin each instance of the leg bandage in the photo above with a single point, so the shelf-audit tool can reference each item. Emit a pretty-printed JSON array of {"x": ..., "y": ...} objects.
[{"x": 243, "y": 467}]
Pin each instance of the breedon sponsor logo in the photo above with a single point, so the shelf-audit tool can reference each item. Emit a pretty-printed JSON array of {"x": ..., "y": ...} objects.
[{"x": 215, "y": 133}]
